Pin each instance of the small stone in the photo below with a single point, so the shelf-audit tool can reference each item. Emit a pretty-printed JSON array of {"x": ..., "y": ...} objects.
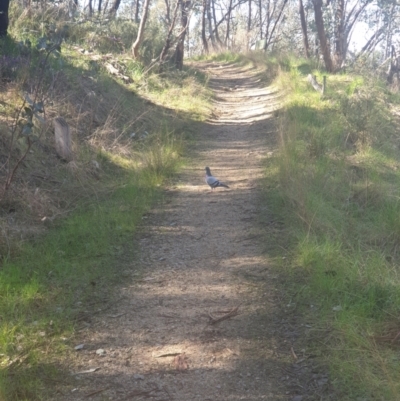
[
  {"x": 297, "y": 398},
  {"x": 138, "y": 377},
  {"x": 79, "y": 347},
  {"x": 100, "y": 352}
]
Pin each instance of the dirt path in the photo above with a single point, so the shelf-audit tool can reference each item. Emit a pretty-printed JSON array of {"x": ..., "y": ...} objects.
[{"x": 202, "y": 257}]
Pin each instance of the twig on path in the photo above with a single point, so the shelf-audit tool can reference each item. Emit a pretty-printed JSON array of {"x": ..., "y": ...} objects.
[
  {"x": 293, "y": 353},
  {"x": 231, "y": 313},
  {"x": 169, "y": 354},
  {"x": 118, "y": 315},
  {"x": 97, "y": 391}
]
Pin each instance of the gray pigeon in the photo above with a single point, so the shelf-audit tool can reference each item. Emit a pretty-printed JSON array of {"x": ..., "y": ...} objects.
[{"x": 212, "y": 181}]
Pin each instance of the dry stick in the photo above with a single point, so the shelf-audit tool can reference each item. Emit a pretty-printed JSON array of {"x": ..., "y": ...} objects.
[
  {"x": 293, "y": 353},
  {"x": 11, "y": 176},
  {"x": 232, "y": 313},
  {"x": 97, "y": 391}
]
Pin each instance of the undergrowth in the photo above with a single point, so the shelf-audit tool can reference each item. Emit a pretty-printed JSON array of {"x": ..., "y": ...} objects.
[{"x": 338, "y": 190}]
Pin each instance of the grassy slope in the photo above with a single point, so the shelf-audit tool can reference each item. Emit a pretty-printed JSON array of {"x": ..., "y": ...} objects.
[
  {"x": 337, "y": 182},
  {"x": 53, "y": 282}
]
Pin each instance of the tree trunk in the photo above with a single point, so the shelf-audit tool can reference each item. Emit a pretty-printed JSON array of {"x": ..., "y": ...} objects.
[
  {"x": 167, "y": 12},
  {"x": 268, "y": 38},
  {"x": 267, "y": 22},
  {"x": 389, "y": 36},
  {"x": 203, "y": 27},
  {"x": 4, "y": 4},
  {"x": 228, "y": 23},
  {"x": 324, "y": 44},
  {"x": 105, "y": 7},
  {"x": 304, "y": 28},
  {"x": 215, "y": 24},
  {"x": 180, "y": 47},
  {"x": 249, "y": 18},
  {"x": 248, "y": 27},
  {"x": 90, "y": 4},
  {"x": 393, "y": 67},
  {"x": 137, "y": 8},
  {"x": 210, "y": 28},
  {"x": 373, "y": 41},
  {"x": 114, "y": 7},
  {"x": 99, "y": 6},
  {"x": 139, "y": 39},
  {"x": 339, "y": 34},
  {"x": 167, "y": 45}
]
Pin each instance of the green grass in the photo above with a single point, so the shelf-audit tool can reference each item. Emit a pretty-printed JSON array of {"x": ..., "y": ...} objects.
[
  {"x": 48, "y": 285},
  {"x": 338, "y": 190},
  {"x": 223, "y": 56},
  {"x": 136, "y": 133}
]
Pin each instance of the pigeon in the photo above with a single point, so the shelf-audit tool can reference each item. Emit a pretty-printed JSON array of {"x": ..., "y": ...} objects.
[{"x": 212, "y": 181}]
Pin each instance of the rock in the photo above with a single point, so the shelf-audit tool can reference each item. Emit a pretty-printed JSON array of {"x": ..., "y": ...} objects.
[{"x": 100, "y": 352}]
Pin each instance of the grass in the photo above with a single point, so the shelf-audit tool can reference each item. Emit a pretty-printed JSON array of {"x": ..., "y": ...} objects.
[
  {"x": 45, "y": 288},
  {"x": 337, "y": 190},
  {"x": 68, "y": 230}
]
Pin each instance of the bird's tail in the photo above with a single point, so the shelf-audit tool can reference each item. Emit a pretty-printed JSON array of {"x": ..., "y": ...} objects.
[{"x": 221, "y": 184}]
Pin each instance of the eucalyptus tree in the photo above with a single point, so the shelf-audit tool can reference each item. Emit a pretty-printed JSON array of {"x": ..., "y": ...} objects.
[
  {"x": 336, "y": 20},
  {"x": 139, "y": 39},
  {"x": 273, "y": 17},
  {"x": 303, "y": 22}
]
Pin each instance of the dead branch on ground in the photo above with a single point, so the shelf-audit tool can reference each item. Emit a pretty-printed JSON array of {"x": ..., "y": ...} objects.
[{"x": 231, "y": 313}]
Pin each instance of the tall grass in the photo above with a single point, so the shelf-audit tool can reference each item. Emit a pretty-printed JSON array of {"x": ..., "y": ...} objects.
[{"x": 338, "y": 190}]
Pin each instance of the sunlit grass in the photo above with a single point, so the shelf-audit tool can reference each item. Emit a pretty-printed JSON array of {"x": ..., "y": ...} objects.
[{"x": 338, "y": 192}]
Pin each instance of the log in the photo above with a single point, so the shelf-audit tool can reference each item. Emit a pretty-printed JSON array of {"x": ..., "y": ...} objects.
[{"x": 63, "y": 139}]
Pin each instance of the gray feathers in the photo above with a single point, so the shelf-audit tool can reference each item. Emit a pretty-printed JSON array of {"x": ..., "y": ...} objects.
[{"x": 212, "y": 181}]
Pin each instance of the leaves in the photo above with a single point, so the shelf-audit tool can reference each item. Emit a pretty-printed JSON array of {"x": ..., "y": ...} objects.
[{"x": 28, "y": 113}]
